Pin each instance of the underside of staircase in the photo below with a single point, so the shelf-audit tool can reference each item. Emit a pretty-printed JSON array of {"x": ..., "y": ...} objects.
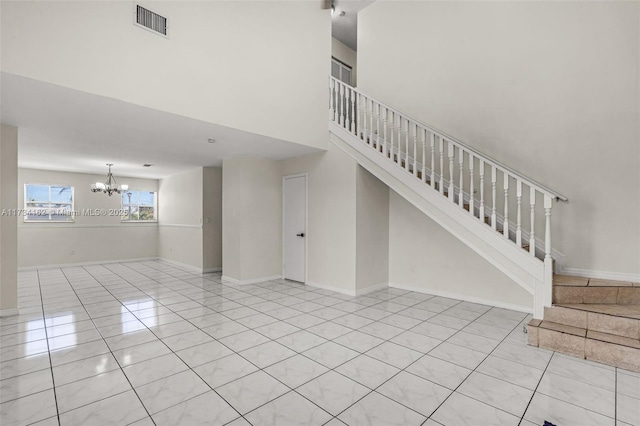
[{"x": 593, "y": 319}]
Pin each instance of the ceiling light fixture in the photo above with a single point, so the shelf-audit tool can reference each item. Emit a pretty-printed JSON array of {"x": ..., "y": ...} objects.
[
  {"x": 147, "y": 165},
  {"x": 110, "y": 186},
  {"x": 211, "y": 140}
]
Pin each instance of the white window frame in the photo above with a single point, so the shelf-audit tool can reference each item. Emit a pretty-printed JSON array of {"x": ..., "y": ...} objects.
[
  {"x": 126, "y": 206},
  {"x": 69, "y": 219},
  {"x": 343, "y": 67}
]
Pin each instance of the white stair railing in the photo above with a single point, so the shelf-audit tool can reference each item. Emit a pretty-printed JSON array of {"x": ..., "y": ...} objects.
[{"x": 471, "y": 180}]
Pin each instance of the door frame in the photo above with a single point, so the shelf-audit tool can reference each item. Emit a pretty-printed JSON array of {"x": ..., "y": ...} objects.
[{"x": 306, "y": 221}]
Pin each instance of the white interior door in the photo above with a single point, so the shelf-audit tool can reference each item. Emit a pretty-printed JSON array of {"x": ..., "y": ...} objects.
[{"x": 295, "y": 222}]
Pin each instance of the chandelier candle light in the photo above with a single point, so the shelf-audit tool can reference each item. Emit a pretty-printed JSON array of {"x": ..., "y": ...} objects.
[{"x": 110, "y": 186}]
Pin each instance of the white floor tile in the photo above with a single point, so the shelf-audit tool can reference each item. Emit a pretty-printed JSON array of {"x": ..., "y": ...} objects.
[
  {"x": 208, "y": 408},
  {"x": 171, "y": 390},
  {"x": 367, "y": 371},
  {"x": 377, "y": 410},
  {"x": 288, "y": 410},
  {"x": 333, "y": 392},
  {"x": 460, "y": 410},
  {"x": 251, "y": 391},
  {"x": 296, "y": 370},
  {"x": 414, "y": 392}
]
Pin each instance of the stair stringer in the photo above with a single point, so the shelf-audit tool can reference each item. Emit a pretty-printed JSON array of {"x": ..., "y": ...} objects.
[{"x": 526, "y": 270}]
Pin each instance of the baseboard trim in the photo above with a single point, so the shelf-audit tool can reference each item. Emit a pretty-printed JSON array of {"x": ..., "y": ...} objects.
[
  {"x": 9, "y": 312},
  {"x": 332, "y": 288},
  {"x": 371, "y": 289},
  {"x": 465, "y": 298},
  {"x": 190, "y": 268},
  {"x": 96, "y": 262},
  {"x": 603, "y": 275},
  {"x": 229, "y": 280}
]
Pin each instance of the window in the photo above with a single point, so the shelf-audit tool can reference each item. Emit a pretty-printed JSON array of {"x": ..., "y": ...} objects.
[
  {"x": 48, "y": 203},
  {"x": 139, "y": 206},
  {"x": 341, "y": 71}
]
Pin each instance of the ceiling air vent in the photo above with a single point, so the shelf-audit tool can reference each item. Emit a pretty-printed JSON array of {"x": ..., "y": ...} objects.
[{"x": 151, "y": 20}]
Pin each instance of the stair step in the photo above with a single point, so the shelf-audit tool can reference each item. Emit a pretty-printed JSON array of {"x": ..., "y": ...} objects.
[
  {"x": 579, "y": 290},
  {"x": 569, "y": 280},
  {"x": 606, "y": 348},
  {"x": 621, "y": 320},
  {"x": 596, "y": 295},
  {"x": 631, "y": 311}
]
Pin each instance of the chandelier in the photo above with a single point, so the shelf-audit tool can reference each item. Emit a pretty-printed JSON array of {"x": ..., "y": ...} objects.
[{"x": 110, "y": 186}]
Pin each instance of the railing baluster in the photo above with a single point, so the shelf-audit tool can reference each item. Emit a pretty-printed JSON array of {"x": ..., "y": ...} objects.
[
  {"x": 424, "y": 155},
  {"x": 505, "y": 223},
  {"x": 378, "y": 147},
  {"x": 400, "y": 141},
  {"x": 339, "y": 99},
  {"x": 451, "y": 154},
  {"x": 519, "y": 213},
  {"x": 548, "y": 203},
  {"x": 363, "y": 120},
  {"x": 352, "y": 99},
  {"x": 532, "y": 214},
  {"x": 471, "y": 185},
  {"x": 371, "y": 123},
  {"x": 332, "y": 100},
  {"x": 481, "y": 172},
  {"x": 441, "y": 146},
  {"x": 493, "y": 198},
  {"x": 391, "y": 134},
  {"x": 415, "y": 149},
  {"x": 358, "y": 110},
  {"x": 384, "y": 131},
  {"x": 433, "y": 160},
  {"x": 460, "y": 165},
  {"x": 406, "y": 150}
]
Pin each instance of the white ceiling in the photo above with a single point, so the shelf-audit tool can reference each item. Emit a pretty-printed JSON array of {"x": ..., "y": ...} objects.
[
  {"x": 345, "y": 28},
  {"x": 68, "y": 130}
]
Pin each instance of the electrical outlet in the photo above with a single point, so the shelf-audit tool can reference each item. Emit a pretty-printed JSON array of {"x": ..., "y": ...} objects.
[
  {"x": 412, "y": 268},
  {"x": 72, "y": 252}
]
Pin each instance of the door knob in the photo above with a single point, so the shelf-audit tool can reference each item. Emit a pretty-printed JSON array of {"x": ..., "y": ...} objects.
[{"x": 300, "y": 234}]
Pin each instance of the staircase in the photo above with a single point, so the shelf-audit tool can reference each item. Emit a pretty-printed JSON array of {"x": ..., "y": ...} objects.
[
  {"x": 498, "y": 213},
  {"x": 502, "y": 215},
  {"x": 592, "y": 319}
]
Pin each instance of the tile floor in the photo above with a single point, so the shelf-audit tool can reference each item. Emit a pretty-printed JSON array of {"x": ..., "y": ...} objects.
[{"x": 146, "y": 343}]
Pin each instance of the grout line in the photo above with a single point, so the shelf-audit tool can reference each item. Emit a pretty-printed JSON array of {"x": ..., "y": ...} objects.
[
  {"x": 46, "y": 334},
  {"x": 536, "y": 389}
]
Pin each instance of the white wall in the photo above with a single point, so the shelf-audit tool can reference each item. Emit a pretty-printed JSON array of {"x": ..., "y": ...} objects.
[
  {"x": 180, "y": 209},
  {"x": 258, "y": 66},
  {"x": 345, "y": 54},
  {"x": 252, "y": 218},
  {"x": 331, "y": 217},
  {"x": 548, "y": 88},
  {"x": 372, "y": 231},
  {"x": 212, "y": 214},
  {"x": 8, "y": 222},
  {"x": 87, "y": 238},
  {"x": 425, "y": 257}
]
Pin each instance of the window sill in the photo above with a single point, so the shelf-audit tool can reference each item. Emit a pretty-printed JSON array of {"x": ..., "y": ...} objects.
[{"x": 48, "y": 221}]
